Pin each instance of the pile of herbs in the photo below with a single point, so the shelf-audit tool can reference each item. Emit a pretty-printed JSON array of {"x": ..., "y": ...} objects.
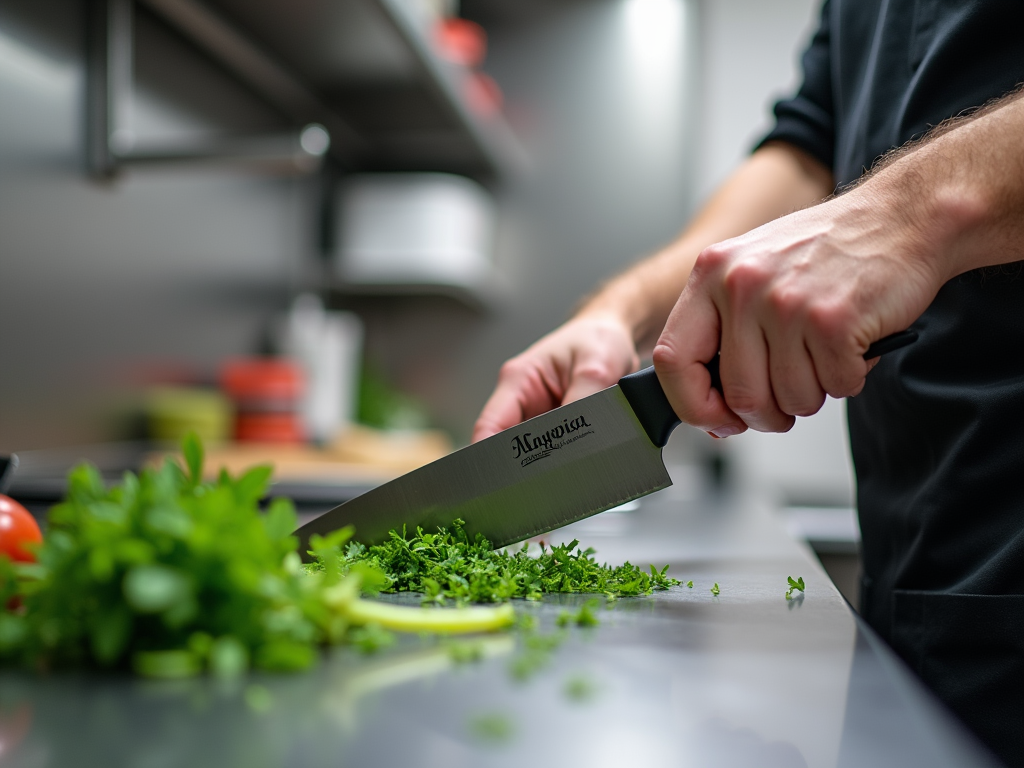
[
  {"x": 172, "y": 576},
  {"x": 447, "y": 565}
]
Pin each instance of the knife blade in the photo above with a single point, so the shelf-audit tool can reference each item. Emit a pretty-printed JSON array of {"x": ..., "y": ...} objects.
[{"x": 554, "y": 469}]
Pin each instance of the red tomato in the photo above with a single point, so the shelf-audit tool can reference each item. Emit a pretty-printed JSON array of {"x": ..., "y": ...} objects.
[{"x": 17, "y": 528}]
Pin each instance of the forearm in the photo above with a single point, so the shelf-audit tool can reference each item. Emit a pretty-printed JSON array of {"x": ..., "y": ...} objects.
[
  {"x": 774, "y": 181},
  {"x": 959, "y": 193}
]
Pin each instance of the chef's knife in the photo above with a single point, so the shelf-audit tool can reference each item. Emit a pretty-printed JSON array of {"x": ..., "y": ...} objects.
[{"x": 549, "y": 471}]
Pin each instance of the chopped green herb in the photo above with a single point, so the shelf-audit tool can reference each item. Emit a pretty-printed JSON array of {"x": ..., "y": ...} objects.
[
  {"x": 689, "y": 584},
  {"x": 371, "y": 638},
  {"x": 794, "y": 584},
  {"x": 715, "y": 590},
  {"x": 526, "y": 622},
  {"x": 584, "y": 617},
  {"x": 465, "y": 652},
  {"x": 446, "y": 565},
  {"x": 258, "y": 699},
  {"x": 579, "y": 689},
  {"x": 494, "y": 728},
  {"x": 536, "y": 653}
]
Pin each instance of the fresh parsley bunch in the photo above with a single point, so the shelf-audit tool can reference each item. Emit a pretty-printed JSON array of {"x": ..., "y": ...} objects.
[
  {"x": 447, "y": 565},
  {"x": 172, "y": 576},
  {"x": 169, "y": 575}
]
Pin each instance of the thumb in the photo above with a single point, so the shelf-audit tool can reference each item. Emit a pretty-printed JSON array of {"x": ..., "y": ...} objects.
[{"x": 680, "y": 359}]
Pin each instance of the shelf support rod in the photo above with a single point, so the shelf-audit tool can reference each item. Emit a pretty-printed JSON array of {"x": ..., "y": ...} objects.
[{"x": 111, "y": 143}]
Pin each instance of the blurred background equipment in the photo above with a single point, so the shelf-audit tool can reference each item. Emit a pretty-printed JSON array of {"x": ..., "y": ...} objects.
[
  {"x": 410, "y": 229},
  {"x": 328, "y": 347},
  {"x": 173, "y": 412},
  {"x": 267, "y": 394},
  {"x": 446, "y": 179}
]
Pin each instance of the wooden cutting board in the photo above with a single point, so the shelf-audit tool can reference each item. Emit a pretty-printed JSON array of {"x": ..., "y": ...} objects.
[{"x": 359, "y": 454}]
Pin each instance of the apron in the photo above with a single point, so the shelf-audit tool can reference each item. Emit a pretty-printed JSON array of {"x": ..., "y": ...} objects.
[
  {"x": 938, "y": 443},
  {"x": 938, "y": 431}
]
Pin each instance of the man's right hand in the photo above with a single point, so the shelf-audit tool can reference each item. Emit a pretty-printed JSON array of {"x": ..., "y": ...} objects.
[{"x": 584, "y": 356}]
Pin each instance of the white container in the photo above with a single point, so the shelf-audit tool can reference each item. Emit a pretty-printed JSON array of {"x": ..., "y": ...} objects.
[
  {"x": 409, "y": 229},
  {"x": 328, "y": 346}
]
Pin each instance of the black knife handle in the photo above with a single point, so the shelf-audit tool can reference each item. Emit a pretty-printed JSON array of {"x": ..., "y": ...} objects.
[
  {"x": 647, "y": 399},
  {"x": 883, "y": 346}
]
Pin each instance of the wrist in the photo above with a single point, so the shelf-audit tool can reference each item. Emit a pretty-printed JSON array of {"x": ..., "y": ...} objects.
[
  {"x": 932, "y": 213},
  {"x": 620, "y": 302}
]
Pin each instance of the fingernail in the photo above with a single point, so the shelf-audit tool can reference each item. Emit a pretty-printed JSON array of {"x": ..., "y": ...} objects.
[{"x": 727, "y": 431}]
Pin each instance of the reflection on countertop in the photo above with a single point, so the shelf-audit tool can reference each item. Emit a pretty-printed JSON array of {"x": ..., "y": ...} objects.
[{"x": 681, "y": 678}]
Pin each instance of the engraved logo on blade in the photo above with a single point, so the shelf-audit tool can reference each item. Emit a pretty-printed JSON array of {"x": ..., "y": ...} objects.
[{"x": 529, "y": 447}]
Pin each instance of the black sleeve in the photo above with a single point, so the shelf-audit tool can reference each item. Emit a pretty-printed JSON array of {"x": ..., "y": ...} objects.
[{"x": 807, "y": 120}]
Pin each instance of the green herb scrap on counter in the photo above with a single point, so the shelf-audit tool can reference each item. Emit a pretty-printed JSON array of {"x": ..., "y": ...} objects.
[
  {"x": 794, "y": 584},
  {"x": 447, "y": 565},
  {"x": 172, "y": 576},
  {"x": 584, "y": 617}
]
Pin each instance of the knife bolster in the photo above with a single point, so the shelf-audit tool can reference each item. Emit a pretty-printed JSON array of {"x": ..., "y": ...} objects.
[{"x": 647, "y": 399}]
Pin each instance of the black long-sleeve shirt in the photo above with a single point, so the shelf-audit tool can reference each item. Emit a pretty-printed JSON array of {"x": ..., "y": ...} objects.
[{"x": 938, "y": 431}]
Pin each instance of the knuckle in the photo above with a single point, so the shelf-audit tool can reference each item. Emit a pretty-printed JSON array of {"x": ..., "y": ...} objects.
[
  {"x": 786, "y": 302},
  {"x": 600, "y": 371},
  {"x": 845, "y": 382},
  {"x": 744, "y": 403},
  {"x": 512, "y": 369},
  {"x": 744, "y": 278},
  {"x": 665, "y": 357},
  {"x": 711, "y": 258},
  {"x": 843, "y": 389},
  {"x": 831, "y": 320},
  {"x": 805, "y": 407}
]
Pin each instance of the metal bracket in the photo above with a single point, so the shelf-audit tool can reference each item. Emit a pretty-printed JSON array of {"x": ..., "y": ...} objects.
[{"x": 111, "y": 141}]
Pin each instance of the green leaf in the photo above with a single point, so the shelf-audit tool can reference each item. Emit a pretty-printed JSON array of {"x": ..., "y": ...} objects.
[
  {"x": 258, "y": 699},
  {"x": 155, "y": 588},
  {"x": 280, "y": 520},
  {"x": 192, "y": 450},
  {"x": 285, "y": 656},
  {"x": 111, "y": 631},
  {"x": 494, "y": 728},
  {"x": 166, "y": 664},
  {"x": 252, "y": 486},
  {"x": 228, "y": 657},
  {"x": 371, "y": 638}
]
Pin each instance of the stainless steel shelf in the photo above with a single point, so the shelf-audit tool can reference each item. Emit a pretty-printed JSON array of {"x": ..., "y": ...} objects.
[{"x": 368, "y": 63}]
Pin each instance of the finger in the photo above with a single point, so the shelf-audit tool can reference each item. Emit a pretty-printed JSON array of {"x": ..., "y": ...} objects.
[
  {"x": 690, "y": 340},
  {"x": 793, "y": 378},
  {"x": 839, "y": 363},
  {"x": 522, "y": 393},
  {"x": 745, "y": 378},
  {"x": 590, "y": 376}
]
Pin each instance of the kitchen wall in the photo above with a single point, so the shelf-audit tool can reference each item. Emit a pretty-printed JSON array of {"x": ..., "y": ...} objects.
[
  {"x": 614, "y": 179},
  {"x": 602, "y": 94},
  {"x": 631, "y": 111},
  {"x": 750, "y": 58},
  {"x": 102, "y": 282}
]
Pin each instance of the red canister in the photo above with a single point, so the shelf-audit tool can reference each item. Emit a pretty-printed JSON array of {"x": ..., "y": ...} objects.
[{"x": 266, "y": 392}]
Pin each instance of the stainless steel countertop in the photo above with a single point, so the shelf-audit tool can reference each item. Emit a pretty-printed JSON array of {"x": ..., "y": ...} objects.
[{"x": 681, "y": 678}]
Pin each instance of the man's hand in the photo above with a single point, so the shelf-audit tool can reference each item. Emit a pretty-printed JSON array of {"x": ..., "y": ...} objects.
[
  {"x": 587, "y": 354},
  {"x": 794, "y": 304}
]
